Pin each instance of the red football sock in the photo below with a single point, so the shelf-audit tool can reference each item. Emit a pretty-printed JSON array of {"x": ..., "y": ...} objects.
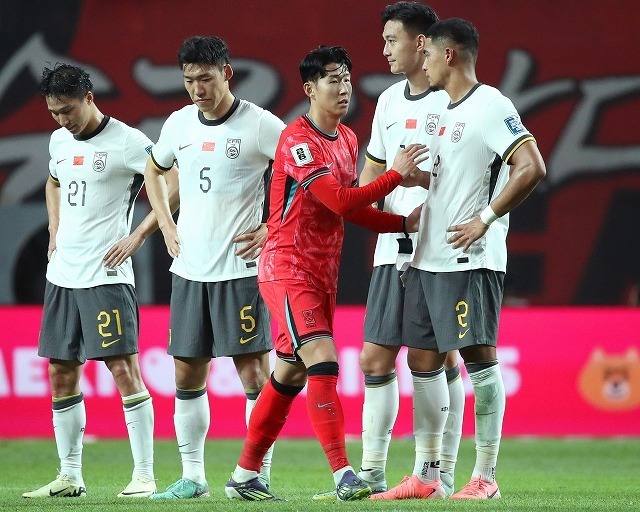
[
  {"x": 266, "y": 422},
  {"x": 325, "y": 413}
]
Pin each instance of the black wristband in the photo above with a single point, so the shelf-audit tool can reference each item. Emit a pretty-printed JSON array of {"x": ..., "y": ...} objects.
[{"x": 404, "y": 227}]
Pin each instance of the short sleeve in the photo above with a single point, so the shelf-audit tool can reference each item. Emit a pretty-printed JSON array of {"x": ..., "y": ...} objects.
[
  {"x": 163, "y": 154},
  {"x": 502, "y": 127},
  {"x": 303, "y": 159},
  {"x": 137, "y": 151},
  {"x": 269, "y": 132}
]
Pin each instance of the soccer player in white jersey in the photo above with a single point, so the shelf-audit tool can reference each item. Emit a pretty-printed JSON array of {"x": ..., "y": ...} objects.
[
  {"x": 406, "y": 112},
  {"x": 90, "y": 307},
  {"x": 222, "y": 146},
  {"x": 485, "y": 163}
]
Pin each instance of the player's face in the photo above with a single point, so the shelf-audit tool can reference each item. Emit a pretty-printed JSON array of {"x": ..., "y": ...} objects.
[
  {"x": 400, "y": 49},
  {"x": 71, "y": 113},
  {"x": 435, "y": 64},
  {"x": 332, "y": 93},
  {"x": 207, "y": 86}
]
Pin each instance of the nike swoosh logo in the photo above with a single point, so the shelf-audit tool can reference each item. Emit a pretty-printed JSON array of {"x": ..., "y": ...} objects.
[
  {"x": 243, "y": 341},
  {"x": 320, "y": 406},
  {"x": 51, "y": 493},
  {"x": 108, "y": 344},
  {"x": 58, "y": 161},
  {"x": 134, "y": 493},
  {"x": 395, "y": 122},
  {"x": 462, "y": 334},
  {"x": 180, "y": 148}
]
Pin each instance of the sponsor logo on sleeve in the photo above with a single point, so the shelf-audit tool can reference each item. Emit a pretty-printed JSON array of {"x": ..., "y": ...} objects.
[
  {"x": 100, "y": 161},
  {"x": 514, "y": 124},
  {"x": 148, "y": 149},
  {"x": 301, "y": 154}
]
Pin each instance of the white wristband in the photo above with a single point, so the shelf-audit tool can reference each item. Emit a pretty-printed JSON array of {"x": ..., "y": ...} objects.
[{"x": 488, "y": 215}]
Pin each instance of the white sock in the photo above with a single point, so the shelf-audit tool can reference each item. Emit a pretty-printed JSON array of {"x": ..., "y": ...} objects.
[
  {"x": 379, "y": 413},
  {"x": 191, "y": 420},
  {"x": 430, "y": 406},
  {"x": 265, "y": 469},
  {"x": 453, "y": 426},
  {"x": 489, "y": 413},
  {"x": 138, "y": 415},
  {"x": 241, "y": 475},
  {"x": 69, "y": 421}
]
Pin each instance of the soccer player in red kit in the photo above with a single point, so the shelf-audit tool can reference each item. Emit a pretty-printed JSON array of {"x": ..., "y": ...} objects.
[{"x": 312, "y": 189}]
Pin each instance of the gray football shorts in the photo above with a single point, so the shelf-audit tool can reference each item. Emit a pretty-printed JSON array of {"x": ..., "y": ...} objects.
[
  {"x": 225, "y": 318},
  {"x": 385, "y": 302},
  {"x": 89, "y": 323},
  {"x": 452, "y": 310}
]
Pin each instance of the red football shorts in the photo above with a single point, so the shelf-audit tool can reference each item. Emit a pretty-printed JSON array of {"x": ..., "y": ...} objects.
[{"x": 303, "y": 313}]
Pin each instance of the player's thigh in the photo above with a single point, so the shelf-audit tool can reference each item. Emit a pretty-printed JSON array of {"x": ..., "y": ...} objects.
[
  {"x": 303, "y": 314},
  {"x": 109, "y": 317},
  {"x": 61, "y": 331},
  {"x": 417, "y": 327},
  {"x": 385, "y": 302},
  {"x": 190, "y": 329},
  {"x": 465, "y": 307},
  {"x": 239, "y": 317}
]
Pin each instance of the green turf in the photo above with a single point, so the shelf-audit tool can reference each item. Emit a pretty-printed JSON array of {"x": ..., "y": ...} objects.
[{"x": 534, "y": 475}]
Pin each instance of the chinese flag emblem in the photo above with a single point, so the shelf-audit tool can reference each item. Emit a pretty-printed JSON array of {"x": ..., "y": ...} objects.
[
  {"x": 208, "y": 146},
  {"x": 411, "y": 124},
  {"x": 442, "y": 131},
  {"x": 78, "y": 160}
]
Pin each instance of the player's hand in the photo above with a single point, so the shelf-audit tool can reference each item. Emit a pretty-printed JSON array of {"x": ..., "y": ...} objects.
[
  {"x": 407, "y": 160},
  {"x": 419, "y": 179},
  {"x": 252, "y": 243},
  {"x": 171, "y": 240},
  {"x": 122, "y": 250},
  {"x": 465, "y": 234},
  {"x": 51, "y": 248},
  {"x": 413, "y": 220}
]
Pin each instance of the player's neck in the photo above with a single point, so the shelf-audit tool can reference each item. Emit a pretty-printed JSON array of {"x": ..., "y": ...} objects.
[
  {"x": 418, "y": 82},
  {"x": 326, "y": 121},
  {"x": 460, "y": 83},
  {"x": 221, "y": 109},
  {"x": 94, "y": 122}
]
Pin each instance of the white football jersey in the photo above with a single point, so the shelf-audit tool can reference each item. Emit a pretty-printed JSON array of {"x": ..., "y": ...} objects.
[
  {"x": 222, "y": 165},
  {"x": 475, "y": 138},
  {"x": 100, "y": 177},
  {"x": 399, "y": 120}
]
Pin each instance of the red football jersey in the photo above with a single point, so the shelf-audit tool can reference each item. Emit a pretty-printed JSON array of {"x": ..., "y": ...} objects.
[{"x": 305, "y": 237}]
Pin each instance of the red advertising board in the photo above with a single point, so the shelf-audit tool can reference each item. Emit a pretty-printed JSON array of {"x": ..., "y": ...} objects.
[{"x": 566, "y": 371}]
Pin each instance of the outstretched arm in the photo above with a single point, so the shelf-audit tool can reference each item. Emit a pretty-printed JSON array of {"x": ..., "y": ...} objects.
[{"x": 52, "y": 197}]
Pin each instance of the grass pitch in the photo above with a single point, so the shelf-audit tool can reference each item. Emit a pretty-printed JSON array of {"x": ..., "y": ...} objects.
[{"x": 533, "y": 474}]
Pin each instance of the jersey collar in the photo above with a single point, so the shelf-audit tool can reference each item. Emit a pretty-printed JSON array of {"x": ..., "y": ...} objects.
[
  {"x": 451, "y": 106},
  {"x": 103, "y": 123},
  {"x": 217, "y": 122}
]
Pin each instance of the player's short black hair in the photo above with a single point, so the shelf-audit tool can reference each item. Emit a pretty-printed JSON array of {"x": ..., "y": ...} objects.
[
  {"x": 312, "y": 66},
  {"x": 458, "y": 31},
  {"x": 203, "y": 50},
  {"x": 65, "y": 80},
  {"x": 416, "y": 17}
]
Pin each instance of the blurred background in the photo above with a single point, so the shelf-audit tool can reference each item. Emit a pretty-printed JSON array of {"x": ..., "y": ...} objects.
[{"x": 574, "y": 77}]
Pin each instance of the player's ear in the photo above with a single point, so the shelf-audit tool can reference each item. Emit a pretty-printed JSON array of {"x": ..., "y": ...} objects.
[
  {"x": 309, "y": 90},
  {"x": 228, "y": 71},
  {"x": 420, "y": 43},
  {"x": 89, "y": 97}
]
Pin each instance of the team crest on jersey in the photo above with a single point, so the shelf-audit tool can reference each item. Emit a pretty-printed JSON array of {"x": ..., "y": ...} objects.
[
  {"x": 233, "y": 148},
  {"x": 301, "y": 154},
  {"x": 514, "y": 124},
  {"x": 432, "y": 123},
  {"x": 456, "y": 134},
  {"x": 99, "y": 161}
]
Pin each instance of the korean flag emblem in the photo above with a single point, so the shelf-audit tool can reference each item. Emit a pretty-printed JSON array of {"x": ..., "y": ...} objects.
[{"x": 100, "y": 161}]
